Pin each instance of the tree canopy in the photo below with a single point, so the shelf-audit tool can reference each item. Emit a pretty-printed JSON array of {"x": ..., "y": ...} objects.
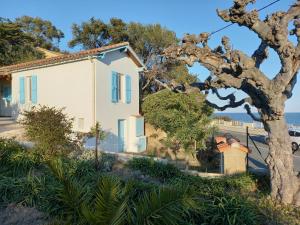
[
  {"x": 15, "y": 45},
  {"x": 19, "y": 39},
  {"x": 184, "y": 117},
  {"x": 44, "y": 34}
]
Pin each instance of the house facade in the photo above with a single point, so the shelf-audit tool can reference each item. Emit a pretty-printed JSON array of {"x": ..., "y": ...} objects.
[{"x": 94, "y": 85}]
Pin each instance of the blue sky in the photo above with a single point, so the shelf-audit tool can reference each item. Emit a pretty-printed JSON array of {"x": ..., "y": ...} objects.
[{"x": 193, "y": 16}]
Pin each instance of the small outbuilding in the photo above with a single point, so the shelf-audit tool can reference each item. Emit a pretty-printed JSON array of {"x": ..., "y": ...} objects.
[{"x": 233, "y": 155}]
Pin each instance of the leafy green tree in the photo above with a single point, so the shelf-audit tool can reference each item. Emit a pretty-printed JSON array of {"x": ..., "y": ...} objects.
[
  {"x": 184, "y": 117},
  {"x": 15, "y": 45},
  {"x": 149, "y": 41},
  {"x": 91, "y": 34},
  {"x": 49, "y": 128},
  {"x": 117, "y": 29},
  {"x": 43, "y": 32}
]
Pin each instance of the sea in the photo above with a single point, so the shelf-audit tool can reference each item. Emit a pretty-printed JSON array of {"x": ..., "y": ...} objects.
[{"x": 293, "y": 119}]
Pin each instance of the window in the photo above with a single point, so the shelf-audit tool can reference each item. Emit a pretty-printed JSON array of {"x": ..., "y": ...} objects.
[
  {"x": 120, "y": 88},
  {"x": 291, "y": 133},
  {"x": 28, "y": 89}
]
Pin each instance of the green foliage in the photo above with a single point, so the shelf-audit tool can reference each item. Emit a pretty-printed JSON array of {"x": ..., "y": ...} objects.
[
  {"x": 15, "y": 45},
  {"x": 185, "y": 118},
  {"x": 113, "y": 202},
  {"x": 97, "y": 131},
  {"x": 228, "y": 210},
  {"x": 73, "y": 192},
  {"x": 43, "y": 33},
  {"x": 180, "y": 74},
  {"x": 155, "y": 169},
  {"x": 146, "y": 40},
  {"x": 165, "y": 206},
  {"x": 90, "y": 34},
  {"x": 49, "y": 128},
  {"x": 15, "y": 160},
  {"x": 149, "y": 41}
]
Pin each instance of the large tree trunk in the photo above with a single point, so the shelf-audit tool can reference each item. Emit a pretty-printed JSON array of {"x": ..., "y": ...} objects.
[{"x": 285, "y": 185}]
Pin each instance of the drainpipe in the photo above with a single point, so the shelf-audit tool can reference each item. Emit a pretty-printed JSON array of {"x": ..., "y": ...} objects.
[{"x": 93, "y": 89}]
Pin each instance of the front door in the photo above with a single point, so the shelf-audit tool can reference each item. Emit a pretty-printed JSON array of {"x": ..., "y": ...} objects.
[{"x": 121, "y": 135}]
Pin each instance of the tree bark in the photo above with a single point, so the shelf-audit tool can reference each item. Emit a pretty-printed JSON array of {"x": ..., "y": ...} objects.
[{"x": 285, "y": 184}]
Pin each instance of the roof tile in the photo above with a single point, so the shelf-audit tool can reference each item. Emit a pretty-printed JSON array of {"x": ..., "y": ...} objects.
[{"x": 6, "y": 70}]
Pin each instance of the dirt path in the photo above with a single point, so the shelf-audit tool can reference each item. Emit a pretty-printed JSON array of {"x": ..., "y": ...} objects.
[{"x": 11, "y": 129}]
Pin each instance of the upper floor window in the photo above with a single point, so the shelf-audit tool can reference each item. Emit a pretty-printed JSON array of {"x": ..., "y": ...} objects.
[{"x": 120, "y": 88}]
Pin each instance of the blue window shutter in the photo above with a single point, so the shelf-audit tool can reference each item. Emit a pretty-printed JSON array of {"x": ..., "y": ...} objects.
[
  {"x": 34, "y": 89},
  {"x": 128, "y": 89},
  {"x": 22, "y": 90},
  {"x": 114, "y": 87},
  {"x": 140, "y": 126}
]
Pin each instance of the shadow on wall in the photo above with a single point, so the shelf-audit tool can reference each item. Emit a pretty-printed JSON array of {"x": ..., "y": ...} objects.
[
  {"x": 112, "y": 57},
  {"x": 110, "y": 143}
]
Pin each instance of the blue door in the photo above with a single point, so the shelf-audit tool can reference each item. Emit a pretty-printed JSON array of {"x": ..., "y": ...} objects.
[{"x": 121, "y": 135}]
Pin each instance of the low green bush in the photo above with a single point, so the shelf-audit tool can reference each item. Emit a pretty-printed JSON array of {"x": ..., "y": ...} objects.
[
  {"x": 162, "y": 171},
  {"x": 15, "y": 160},
  {"x": 228, "y": 210},
  {"x": 50, "y": 129}
]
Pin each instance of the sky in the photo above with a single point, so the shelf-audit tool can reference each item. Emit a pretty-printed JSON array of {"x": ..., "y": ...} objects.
[{"x": 190, "y": 16}]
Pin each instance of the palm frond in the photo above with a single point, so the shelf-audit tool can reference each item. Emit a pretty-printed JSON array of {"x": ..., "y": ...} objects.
[
  {"x": 110, "y": 203},
  {"x": 164, "y": 206},
  {"x": 71, "y": 193}
]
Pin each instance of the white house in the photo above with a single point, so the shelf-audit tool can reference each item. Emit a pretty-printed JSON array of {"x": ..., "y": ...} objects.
[{"x": 95, "y": 85}]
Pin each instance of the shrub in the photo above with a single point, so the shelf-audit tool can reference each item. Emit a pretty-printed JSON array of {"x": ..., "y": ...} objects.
[
  {"x": 49, "y": 128},
  {"x": 15, "y": 160},
  {"x": 229, "y": 210},
  {"x": 153, "y": 168}
]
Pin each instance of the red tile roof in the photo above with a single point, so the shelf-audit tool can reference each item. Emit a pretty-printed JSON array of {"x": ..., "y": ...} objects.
[
  {"x": 225, "y": 144},
  {"x": 6, "y": 70}
]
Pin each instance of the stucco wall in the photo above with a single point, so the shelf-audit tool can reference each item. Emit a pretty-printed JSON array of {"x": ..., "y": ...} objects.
[
  {"x": 66, "y": 85},
  {"x": 234, "y": 161},
  {"x": 108, "y": 113}
]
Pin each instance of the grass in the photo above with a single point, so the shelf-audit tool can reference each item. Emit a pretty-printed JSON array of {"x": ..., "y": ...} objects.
[{"x": 63, "y": 193}]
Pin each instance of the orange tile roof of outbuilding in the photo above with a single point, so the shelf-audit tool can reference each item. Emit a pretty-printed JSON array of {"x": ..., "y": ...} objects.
[{"x": 224, "y": 145}]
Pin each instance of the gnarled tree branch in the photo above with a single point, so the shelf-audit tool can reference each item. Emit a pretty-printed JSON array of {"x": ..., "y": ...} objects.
[
  {"x": 260, "y": 54},
  {"x": 248, "y": 109},
  {"x": 230, "y": 105}
]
